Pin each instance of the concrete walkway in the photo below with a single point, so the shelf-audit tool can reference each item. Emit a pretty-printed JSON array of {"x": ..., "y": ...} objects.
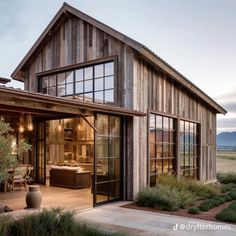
[{"x": 135, "y": 222}]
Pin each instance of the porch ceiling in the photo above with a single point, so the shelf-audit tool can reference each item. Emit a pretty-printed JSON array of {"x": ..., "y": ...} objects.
[{"x": 18, "y": 101}]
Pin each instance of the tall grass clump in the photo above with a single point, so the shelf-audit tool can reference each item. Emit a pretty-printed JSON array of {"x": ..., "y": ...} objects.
[
  {"x": 202, "y": 191},
  {"x": 54, "y": 222},
  {"x": 165, "y": 198},
  {"x": 226, "y": 178}
]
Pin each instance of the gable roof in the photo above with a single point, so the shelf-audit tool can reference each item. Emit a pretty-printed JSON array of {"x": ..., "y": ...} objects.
[
  {"x": 142, "y": 49},
  {"x": 4, "y": 80}
]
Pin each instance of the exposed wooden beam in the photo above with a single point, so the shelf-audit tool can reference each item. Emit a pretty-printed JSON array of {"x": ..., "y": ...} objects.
[{"x": 40, "y": 102}]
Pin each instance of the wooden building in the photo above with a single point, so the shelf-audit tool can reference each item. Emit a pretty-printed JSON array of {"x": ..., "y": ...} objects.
[{"x": 141, "y": 118}]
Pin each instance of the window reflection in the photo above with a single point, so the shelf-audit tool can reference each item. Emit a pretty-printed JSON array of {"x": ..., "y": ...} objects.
[
  {"x": 98, "y": 84},
  {"x": 69, "y": 77},
  {"x": 79, "y": 75},
  {"x": 109, "y": 96},
  {"x": 92, "y": 83},
  {"x": 61, "y": 79},
  {"x": 188, "y": 149},
  {"x": 99, "y": 71},
  {"x": 162, "y": 143},
  {"x": 109, "y": 68},
  {"x": 88, "y": 73},
  {"x": 109, "y": 82},
  {"x": 98, "y": 97},
  {"x": 88, "y": 86},
  {"x": 108, "y": 157}
]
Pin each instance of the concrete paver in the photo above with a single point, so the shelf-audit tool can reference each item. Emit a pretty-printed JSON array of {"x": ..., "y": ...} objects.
[{"x": 137, "y": 222}]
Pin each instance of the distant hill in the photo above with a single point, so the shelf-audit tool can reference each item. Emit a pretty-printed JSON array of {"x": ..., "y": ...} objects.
[{"x": 226, "y": 139}]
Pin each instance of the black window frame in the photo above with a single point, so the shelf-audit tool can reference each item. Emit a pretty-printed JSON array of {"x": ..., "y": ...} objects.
[
  {"x": 189, "y": 149},
  {"x": 81, "y": 96},
  {"x": 163, "y": 145}
]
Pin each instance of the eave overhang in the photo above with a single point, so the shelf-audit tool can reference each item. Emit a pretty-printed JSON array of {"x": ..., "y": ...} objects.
[{"x": 13, "y": 99}]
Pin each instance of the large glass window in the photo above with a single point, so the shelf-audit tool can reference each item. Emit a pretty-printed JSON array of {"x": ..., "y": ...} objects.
[
  {"x": 188, "y": 149},
  {"x": 162, "y": 146},
  {"x": 91, "y": 83}
]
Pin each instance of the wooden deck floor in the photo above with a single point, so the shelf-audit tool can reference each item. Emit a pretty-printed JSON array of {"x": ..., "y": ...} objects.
[{"x": 77, "y": 199}]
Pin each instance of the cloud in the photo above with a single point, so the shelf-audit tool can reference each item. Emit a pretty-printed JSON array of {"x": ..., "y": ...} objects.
[
  {"x": 226, "y": 98},
  {"x": 227, "y": 123},
  {"x": 231, "y": 106},
  {"x": 10, "y": 13}
]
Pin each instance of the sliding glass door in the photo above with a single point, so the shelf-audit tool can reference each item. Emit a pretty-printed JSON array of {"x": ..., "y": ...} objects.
[{"x": 107, "y": 174}]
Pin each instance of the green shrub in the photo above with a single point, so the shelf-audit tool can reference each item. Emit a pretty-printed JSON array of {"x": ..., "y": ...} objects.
[
  {"x": 202, "y": 191},
  {"x": 213, "y": 202},
  {"x": 165, "y": 198},
  {"x": 228, "y": 214},
  {"x": 227, "y": 198},
  {"x": 232, "y": 194},
  {"x": 53, "y": 222},
  {"x": 206, "y": 206},
  {"x": 194, "y": 210},
  {"x": 227, "y": 187},
  {"x": 226, "y": 178},
  {"x": 159, "y": 197},
  {"x": 220, "y": 199},
  {"x": 186, "y": 198}
]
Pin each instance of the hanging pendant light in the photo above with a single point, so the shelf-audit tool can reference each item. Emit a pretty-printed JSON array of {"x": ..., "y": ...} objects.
[
  {"x": 21, "y": 126},
  {"x": 30, "y": 125},
  {"x": 78, "y": 125},
  {"x": 59, "y": 126}
]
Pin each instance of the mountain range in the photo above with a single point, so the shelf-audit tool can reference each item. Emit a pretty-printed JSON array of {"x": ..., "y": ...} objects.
[{"x": 226, "y": 139}]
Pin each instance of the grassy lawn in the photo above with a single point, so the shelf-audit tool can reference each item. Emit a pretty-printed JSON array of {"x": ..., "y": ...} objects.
[
  {"x": 226, "y": 161},
  {"x": 191, "y": 198}
]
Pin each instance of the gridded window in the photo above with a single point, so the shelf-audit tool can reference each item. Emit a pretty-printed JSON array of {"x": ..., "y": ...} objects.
[
  {"x": 92, "y": 83},
  {"x": 161, "y": 146},
  {"x": 58, "y": 84},
  {"x": 188, "y": 149},
  {"x": 95, "y": 83}
]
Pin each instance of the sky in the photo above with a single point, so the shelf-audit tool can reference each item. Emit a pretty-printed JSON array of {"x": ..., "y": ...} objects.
[{"x": 198, "y": 38}]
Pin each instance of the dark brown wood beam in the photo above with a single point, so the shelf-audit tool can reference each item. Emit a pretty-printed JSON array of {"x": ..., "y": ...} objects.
[{"x": 39, "y": 102}]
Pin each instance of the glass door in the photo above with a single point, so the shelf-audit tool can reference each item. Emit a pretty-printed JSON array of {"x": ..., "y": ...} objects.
[
  {"x": 107, "y": 171},
  {"x": 40, "y": 153}
]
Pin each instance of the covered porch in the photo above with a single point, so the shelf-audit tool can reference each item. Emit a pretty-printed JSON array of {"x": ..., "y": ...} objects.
[{"x": 73, "y": 137}]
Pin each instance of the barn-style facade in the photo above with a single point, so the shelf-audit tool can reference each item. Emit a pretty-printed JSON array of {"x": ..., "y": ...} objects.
[{"x": 106, "y": 105}]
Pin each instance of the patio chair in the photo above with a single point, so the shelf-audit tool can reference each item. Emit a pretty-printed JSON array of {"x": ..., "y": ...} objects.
[
  {"x": 18, "y": 178},
  {"x": 29, "y": 177}
]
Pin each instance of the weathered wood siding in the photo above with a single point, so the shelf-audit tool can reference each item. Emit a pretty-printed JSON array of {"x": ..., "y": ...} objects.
[
  {"x": 139, "y": 86},
  {"x": 155, "y": 91},
  {"x": 76, "y": 41}
]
